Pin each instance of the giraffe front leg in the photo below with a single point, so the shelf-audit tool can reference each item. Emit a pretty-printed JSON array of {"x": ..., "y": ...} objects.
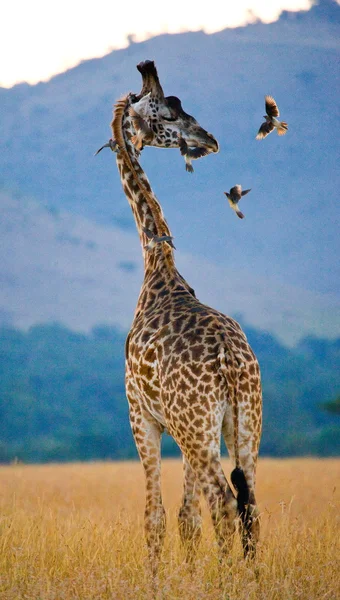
[
  {"x": 147, "y": 435},
  {"x": 189, "y": 515}
]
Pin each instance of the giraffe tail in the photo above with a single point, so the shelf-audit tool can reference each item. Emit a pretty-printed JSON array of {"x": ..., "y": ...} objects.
[
  {"x": 231, "y": 375},
  {"x": 244, "y": 510},
  {"x": 240, "y": 484}
]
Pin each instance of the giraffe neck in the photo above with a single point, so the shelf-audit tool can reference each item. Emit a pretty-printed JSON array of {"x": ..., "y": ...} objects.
[{"x": 144, "y": 204}]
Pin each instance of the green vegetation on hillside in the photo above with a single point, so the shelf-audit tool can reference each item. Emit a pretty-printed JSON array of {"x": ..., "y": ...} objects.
[
  {"x": 62, "y": 395},
  {"x": 333, "y": 406}
]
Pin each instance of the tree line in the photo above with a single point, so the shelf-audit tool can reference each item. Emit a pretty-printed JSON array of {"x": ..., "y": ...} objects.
[{"x": 62, "y": 395}]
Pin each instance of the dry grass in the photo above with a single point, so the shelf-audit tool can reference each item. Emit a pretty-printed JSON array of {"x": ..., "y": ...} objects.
[{"x": 75, "y": 532}]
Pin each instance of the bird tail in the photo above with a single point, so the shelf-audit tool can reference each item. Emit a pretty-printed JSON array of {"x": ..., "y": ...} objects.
[
  {"x": 239, "y": 214},
  {"x": 108, "y": 145},
  {"x": 137, "y": 141},
  {"x": 283, "y": 128}
]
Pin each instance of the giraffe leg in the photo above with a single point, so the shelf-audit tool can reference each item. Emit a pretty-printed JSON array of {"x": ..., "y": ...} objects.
[
  {"x": 221, "y": 503},
  {"x": 147, "y": 434},
  {"x": 189, "y": 515},
  {"x": 204, "y": 459},
  {"x": 248, "y": 441}
]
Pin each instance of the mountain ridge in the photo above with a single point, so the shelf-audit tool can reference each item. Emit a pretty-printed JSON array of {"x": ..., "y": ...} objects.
[{"x": 289, "y": 238}]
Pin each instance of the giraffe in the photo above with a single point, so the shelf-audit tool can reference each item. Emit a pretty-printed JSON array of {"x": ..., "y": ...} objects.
[{"x": 189, "y": 368}]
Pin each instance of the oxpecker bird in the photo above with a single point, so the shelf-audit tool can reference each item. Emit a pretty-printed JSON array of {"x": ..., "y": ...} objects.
[
  {"x": 156, "y": 239},
  {"x": 234, "y": 196},
  {"x": 190, "y": 153},
  {"x": 271, "y": 122},
  {"x": 144, "y": 133}
]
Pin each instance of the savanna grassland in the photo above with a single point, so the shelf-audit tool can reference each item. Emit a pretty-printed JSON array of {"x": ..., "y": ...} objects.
[{"x": 75, "y": 531}]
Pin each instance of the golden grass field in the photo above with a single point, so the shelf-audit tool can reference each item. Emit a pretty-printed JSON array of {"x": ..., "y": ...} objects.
[{"x": 75, "y": 531}]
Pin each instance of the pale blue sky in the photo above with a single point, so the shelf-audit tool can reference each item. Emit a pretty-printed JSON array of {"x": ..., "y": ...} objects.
[{"x": 41, "y": 38}]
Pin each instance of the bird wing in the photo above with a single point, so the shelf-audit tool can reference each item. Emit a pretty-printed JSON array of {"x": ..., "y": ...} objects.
[
  {"x": 236, "y": 192},
  {"x": 245, "y": 192},
  {"x": 183, "y": 146},
  {"x": 264, "y": 130},
  {"x": 197, "y": 152},
  {"x": 193, "y": 153},
  {"x": 148, "y": 233},
  {"x": 139, "y": 123},
  {"x": 271, "y": 107},
  {"x": 166, "y": 238}
]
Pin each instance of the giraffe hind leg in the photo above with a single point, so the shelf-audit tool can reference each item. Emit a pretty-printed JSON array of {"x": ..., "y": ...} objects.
[
  {"x": 222, "y": 504},
  {"x": 206, "y": 464}
]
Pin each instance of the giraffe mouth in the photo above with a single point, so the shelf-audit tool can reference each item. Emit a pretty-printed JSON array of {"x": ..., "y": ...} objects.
[
  {"x": 213, "y": 144},
  {"x": 203, "y": 139}
]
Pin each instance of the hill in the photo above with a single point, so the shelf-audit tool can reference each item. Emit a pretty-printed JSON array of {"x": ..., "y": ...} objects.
[
  {"x": 59, "y": 266},
  {"x": 278, "y": 267}
]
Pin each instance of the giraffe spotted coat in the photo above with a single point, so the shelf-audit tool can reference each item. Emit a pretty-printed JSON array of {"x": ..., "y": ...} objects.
[{"x": 189, "y": 368}]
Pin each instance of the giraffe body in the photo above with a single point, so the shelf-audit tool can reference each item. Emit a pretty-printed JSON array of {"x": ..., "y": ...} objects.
[{"x": 189, "y": 368}]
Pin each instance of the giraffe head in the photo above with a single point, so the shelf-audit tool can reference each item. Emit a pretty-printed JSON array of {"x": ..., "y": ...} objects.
[{"x": 165, "y": 116}]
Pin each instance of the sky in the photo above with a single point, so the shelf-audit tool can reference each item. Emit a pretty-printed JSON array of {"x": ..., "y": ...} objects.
[{"x": 41, "y": 38}]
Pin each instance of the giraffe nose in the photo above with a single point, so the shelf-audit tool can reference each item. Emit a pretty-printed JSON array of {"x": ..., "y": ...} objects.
[{"x": 214, "y": 146}]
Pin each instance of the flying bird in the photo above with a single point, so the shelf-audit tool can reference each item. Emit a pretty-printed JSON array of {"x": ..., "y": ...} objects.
[
  {"x": 144, "y": 133},
  {"x": 156, "y": 239},
  {"x": 271, "y": 122},
  {"x": 190, "y": 153},
  {"x": 110, "y": 144},
  {"x": 234, "y": 196}
]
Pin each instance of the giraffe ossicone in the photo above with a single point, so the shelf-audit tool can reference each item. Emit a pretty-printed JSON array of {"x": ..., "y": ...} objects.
[{"x": 189, "y": 368}]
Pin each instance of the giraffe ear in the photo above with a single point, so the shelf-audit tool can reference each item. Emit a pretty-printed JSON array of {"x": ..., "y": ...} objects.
[{"x": 151, "y": 82}]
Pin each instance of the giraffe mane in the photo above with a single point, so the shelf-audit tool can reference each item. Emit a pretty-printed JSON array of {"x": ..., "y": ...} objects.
[
  {"x": 118, "y": 135},
  {"x": 116, "y": 126}
]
